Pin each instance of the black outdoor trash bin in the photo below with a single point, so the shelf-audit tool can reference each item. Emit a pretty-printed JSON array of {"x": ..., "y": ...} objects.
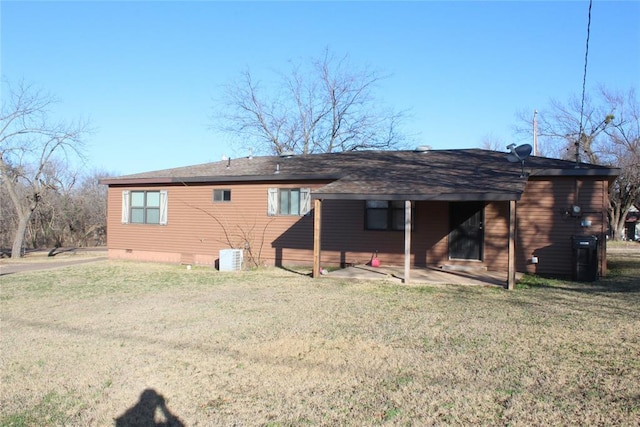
[{"x": 585, "y": 258}]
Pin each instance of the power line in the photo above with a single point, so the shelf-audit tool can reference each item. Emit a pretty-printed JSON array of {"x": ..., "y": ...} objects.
[{"x": 584, "y": 85}]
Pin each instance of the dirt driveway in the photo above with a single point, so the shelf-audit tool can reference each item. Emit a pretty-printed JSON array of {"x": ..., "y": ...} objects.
[{"x": 41, "y": 261}]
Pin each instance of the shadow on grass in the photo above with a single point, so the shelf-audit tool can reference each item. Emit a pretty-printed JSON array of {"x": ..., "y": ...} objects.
[
  {"x": 145, "y": 412},
  {"x": 296, "y": 271},
  {"x": 623, "y": 277}
]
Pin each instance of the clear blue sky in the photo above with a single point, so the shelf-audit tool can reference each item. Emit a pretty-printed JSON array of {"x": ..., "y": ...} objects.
[{"x": 146, "y": 72}]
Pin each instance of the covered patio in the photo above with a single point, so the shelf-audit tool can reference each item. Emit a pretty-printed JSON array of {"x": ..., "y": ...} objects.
[{"x": 408, "y": 179}]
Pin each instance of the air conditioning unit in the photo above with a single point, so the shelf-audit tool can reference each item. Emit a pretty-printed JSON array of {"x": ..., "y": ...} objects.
[{"x": 230, "y": 260}]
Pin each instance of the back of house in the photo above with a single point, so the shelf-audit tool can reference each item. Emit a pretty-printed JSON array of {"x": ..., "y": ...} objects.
[{"x": 465, "y": 208}]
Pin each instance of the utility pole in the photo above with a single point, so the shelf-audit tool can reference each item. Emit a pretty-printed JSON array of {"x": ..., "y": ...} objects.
[{"x": 535, "y": 133}]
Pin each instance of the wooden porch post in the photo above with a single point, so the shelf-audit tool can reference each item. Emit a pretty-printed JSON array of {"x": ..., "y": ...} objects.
[
  {"x": 511, "y": 269},
  {"x": 407, "y": 241},
  {"x": 317, "y": 216}
]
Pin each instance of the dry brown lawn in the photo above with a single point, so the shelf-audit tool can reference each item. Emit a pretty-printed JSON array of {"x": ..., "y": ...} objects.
[{"x": 127, "y": 343}]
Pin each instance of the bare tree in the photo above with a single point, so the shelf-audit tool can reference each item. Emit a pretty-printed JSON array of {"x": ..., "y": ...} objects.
[
  {"x": 8, "y": 222},
  {"x": 73, "y": 215},
  {"x": 30, "y": 144},
  {"x": 610, "y": 135},
  {"x": 89, "y": 224},
  {"x": 492, "y": 142},
  {"x": 623, "y": 151},
  {"x": 47, "y": 225},
  {"x": 328, "y": 106},
  {"x": 567, "y": 131}
]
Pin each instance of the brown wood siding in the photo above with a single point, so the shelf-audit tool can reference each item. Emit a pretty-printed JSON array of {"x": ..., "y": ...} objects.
[
  {"x": 345, "y": 240},
  {"x": 496, "y": 236},
  {"x": 198, "y": 228},
  {"x": 432, "y": 230},
  {"x": 545, "y": 226}
]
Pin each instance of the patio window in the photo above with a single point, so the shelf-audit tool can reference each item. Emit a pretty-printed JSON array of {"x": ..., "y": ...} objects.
[
  {"x": 221, "y": 195},
  {"x": 144, "y": 207},
  {"x": 289, "y": 201},
  {"x": 384, "y": 215}
]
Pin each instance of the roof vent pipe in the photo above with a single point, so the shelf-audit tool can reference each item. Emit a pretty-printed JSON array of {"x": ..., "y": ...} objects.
[
  {"x": 422, "y": 148},
  {"x": 286, "y": 154}
]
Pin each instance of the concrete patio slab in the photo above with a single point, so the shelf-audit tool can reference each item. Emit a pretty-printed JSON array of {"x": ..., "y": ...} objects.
[{"x": 424, "y": 275}]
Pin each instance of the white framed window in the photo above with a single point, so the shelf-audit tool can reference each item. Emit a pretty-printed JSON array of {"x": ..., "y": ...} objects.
[
  {"x": 144, "y": 207},
  {"x": 289, "y": 201}
]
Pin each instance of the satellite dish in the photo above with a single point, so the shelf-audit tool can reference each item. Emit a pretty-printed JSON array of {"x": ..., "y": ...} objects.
[
  {"x": 524, "y": 150},
  {"x": 519, "y": 153}
]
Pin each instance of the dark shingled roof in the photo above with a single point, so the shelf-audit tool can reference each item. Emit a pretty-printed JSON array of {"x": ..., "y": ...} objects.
[{"x": 471, "y": 174}]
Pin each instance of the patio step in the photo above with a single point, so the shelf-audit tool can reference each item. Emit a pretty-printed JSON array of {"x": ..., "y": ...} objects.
[{"x": 468, "y": 268}]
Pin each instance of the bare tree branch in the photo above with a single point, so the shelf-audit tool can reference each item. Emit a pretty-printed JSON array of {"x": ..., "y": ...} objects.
[
  {"x": 610, "y": 135},
  {"x": 31, "y": 146},
  {"x": 324, "y": 107}
]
